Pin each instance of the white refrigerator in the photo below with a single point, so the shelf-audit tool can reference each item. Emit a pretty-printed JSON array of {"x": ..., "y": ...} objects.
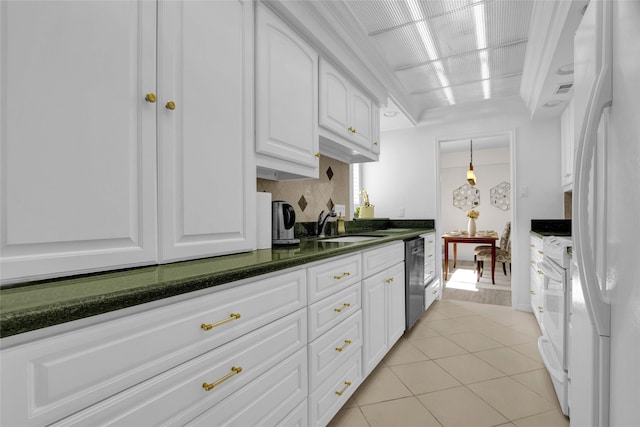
[{"x": 604, "y": 343}]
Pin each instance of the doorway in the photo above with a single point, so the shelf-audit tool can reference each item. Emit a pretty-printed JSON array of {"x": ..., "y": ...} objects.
[{"x": 493, "y": 157}]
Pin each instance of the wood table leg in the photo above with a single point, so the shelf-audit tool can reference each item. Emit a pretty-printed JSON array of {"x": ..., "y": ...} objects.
[
  {"x": 446, "y": 259},
  {"x": 455, "y": 253},
  {"x": 493, "y": 262}
]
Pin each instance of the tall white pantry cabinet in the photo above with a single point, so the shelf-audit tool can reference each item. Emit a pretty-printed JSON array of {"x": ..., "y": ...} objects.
[{"x": 126, "y": 133}]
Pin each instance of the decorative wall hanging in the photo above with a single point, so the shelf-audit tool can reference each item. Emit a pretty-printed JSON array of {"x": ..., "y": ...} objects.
[
  {"x": 501, "y": 196},
  {"x": 466, "y": 197}
]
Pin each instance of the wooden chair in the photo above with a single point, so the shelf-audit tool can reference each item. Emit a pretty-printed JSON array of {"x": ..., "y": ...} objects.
[{"x": 503, "y": 252}]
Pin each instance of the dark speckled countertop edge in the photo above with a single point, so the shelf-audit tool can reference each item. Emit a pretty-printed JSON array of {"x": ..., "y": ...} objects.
[{"x": 67, "y": 308}]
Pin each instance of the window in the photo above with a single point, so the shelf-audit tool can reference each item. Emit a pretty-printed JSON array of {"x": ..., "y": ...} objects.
[{"x": 356, "y": 186}]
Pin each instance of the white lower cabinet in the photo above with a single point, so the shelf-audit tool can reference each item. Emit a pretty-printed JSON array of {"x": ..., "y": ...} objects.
[
  {"x": 536, "y": 277},
  {"x": 176, "y": 396},
  {"x": 282, "y": 350},
  {"x": 432, "y": 288},
  {"x": 383, "y": 304},
  {"x": 327, "y": 400},
  {"x": 272, "y": 399}
]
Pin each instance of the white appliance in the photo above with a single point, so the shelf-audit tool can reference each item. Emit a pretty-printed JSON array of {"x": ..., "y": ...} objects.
[
  {"x": 604, "y": 366},
  {"x": 556, "y": 294}
]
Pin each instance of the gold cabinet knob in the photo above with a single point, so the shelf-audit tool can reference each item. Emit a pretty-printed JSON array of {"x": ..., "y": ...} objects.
[
  {"x": 318, "y": 154},
  {"x": 170, "y": 105},
  {"x": 150, "y": 97},
  {"x": 350, "y": 129},
  {"x": 375, "y": 142}
]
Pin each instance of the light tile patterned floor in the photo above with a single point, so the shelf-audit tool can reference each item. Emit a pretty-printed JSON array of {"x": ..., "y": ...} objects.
[{"x": 463, "y": 364}]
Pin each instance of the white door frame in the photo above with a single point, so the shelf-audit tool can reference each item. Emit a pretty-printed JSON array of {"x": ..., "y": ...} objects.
[{"x": 511, "y": 134}]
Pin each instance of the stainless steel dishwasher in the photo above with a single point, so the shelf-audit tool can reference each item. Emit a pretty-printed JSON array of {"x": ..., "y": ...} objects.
[{"x": 414, "y": 279}]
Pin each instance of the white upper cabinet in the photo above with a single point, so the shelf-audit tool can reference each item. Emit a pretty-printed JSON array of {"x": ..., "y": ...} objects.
[
  {"x": 94, "y": 148},
  {"x": 376, "y": 129},
  {"x": 567, "y": 132},
  {"x": 207, "y": 183},
  {"x": 346, "y": 118},
  {"x": 286, "y": 101},
  {"x": 78, "y": 139}
]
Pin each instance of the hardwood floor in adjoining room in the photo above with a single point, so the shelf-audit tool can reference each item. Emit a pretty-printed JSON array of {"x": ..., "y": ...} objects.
[
  {"x": 462, "y": 285},
  {"x": 463, "y": 364}
]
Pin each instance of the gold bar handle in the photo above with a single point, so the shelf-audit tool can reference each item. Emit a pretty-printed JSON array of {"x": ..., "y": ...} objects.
[
  {"x": 234, "y": 371},
  {"x": 540, "y": 309},
  {"x": 341, "y": 392},
  {"x": 209, "y": 326},
  {"x": 435, "y": 292},
  {"x": 540, "y": 272},
  {"x": 389, "y": 280},
  {"x": 345, "y": 274},
  {"x": 429, "y": 256},
  {"x": 346, "y": 343},
  {"x": 345, "y": 305},
  {"x": 541, "y": 253},
  {"x": 532, "y": 292}
]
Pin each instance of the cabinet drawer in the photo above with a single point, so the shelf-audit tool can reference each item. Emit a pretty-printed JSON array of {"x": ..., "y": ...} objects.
[
  {"x": 327, "y": 278},
  {"x": 327, "y": 400},
  {"x": 268, "y": 401},
  {"x": 431, "y": 293},
  {"x": 429, "y": 271},
  {"x": 299, "y": 417},
  {"x": 83, "y": 367},
  {"x": 328, "y": 352},
  {"x": 179, "y": 394},
  {"x": 376, "y": 260},
  {"x": 332, "y": 310}
]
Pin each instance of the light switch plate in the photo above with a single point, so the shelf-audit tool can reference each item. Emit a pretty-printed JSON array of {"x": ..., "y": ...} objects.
[{"x": 340, "y": 209}]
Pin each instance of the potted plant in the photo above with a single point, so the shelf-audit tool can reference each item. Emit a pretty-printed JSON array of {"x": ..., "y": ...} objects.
[{"x": 366, "y": 210}]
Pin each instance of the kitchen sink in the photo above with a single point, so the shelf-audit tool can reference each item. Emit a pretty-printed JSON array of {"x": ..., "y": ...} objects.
[{"x": 351, "y": 239}]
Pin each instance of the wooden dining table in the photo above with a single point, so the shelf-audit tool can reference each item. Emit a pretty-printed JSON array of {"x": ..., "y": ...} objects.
[{"x": 484, "y": 239}]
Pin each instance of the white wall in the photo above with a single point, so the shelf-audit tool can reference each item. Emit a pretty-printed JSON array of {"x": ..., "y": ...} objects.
[
  {"x": 406, "y": 175},
  {"x": 492, "y": 167}
]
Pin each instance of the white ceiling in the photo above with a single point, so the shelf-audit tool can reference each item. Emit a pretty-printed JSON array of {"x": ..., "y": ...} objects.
[{"x": 448, "y": 52}]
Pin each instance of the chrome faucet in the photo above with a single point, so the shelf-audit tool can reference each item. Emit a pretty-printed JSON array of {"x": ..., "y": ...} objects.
[{"x": 322, "y": 221}]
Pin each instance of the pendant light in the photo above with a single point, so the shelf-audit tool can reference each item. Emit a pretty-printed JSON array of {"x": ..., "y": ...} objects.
[{"x": 471, "y": 177}]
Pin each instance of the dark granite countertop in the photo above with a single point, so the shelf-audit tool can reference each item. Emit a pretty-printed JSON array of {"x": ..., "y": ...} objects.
[{"x": 47, "y": 303}]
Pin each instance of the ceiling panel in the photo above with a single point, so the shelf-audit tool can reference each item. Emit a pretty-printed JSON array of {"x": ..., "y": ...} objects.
[{"x": 434, "y": 46}]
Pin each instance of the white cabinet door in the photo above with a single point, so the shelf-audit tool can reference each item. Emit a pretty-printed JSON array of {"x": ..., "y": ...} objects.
[
  {"x": 361, "y": 119},
  {"x": 395, "y": 303},
  {"x": 207, "y": 184},
  {"x": 376, "y": 129},
  {"x": 568, "y": 143},
  {"x": 78, "y": 143},
  {"x": 286, "y": 99},
  {"x": 334, "y": 100},
  {"x": 375, "y": 320}
]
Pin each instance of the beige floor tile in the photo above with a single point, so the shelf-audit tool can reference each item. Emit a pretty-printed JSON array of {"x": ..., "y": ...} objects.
[
  {"x": 540, "y": 382},
  {"x": 508, "y": 336},
  {"x": 436, "y": 347},
  {"x": 548, "y": 419},
  {"x": 381, "y": 385},
  {"x": 508, "y": 361},
  {"x": 424, "y": 377},
  {"x": 450, "y": 326},
  {"x": 460, "y": 407},
  {"x": 509, "y": 316},
  {"x": 528, "y": 326},
  {"x": 451, "y": 308},
  {"x": 510, "y": 398},
  {"x": 468, "y": 369},
  {"x": 404, "y": 352},
  {"x": 406, "y": 412},
  {"x": 474, "y": 341},
  {"x": 421, "y": 330},
  {"x": 351, "y": 417},
  {"x": 351, "y": 403},
  {"x": 529, "y": 349}
]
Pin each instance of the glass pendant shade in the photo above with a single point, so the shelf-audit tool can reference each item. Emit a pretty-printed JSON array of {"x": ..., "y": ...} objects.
[{"x": 471, "y": 176}]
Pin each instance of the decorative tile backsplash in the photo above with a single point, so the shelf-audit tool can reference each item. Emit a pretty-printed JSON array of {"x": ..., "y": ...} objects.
[{"x": 310, "y": 196}]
